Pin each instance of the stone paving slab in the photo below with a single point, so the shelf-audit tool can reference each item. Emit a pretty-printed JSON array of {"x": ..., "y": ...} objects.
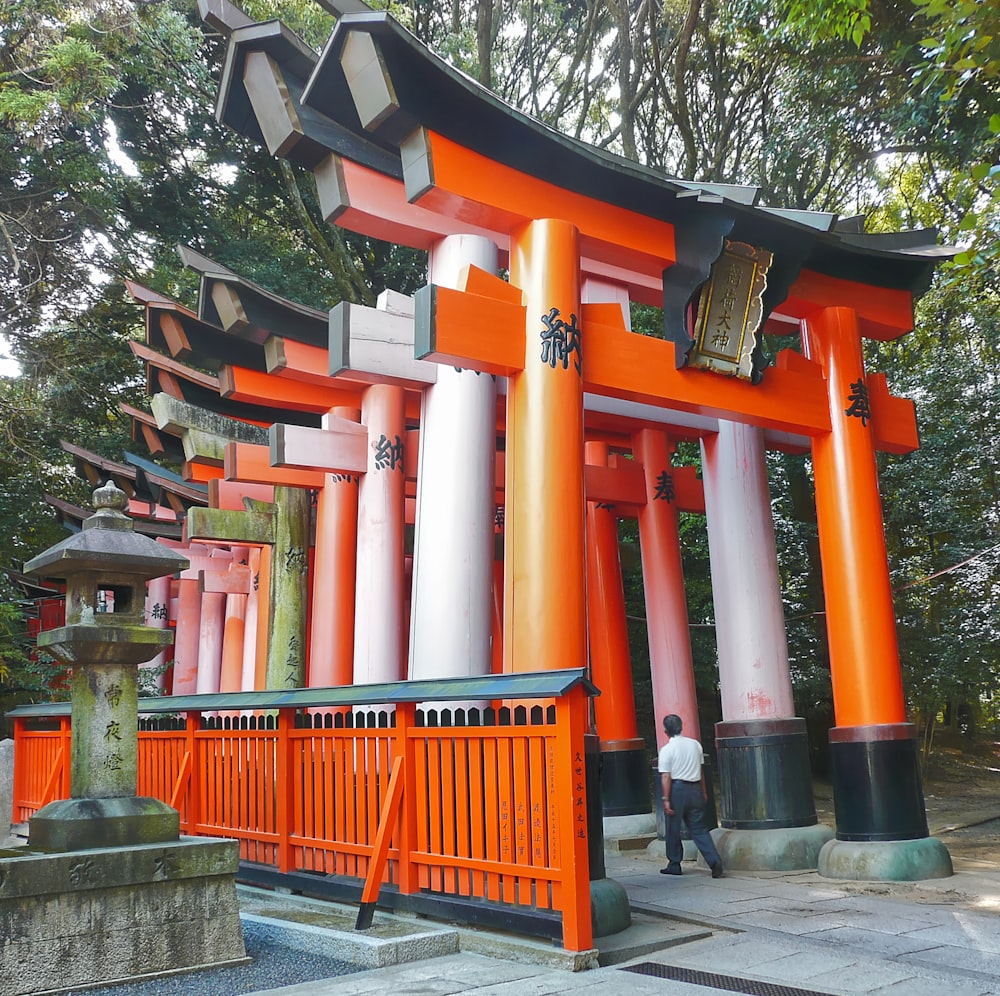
[
  {"x": 447, "y": 974},
  {"x": 966, "y": 932},
  {"x": 886, "y": 944},
  {"x": 923, "y": 986},
  {"x": 862, "y": 978},
  {"x": 788, "y": 922},
  {"x": 734, "y": 955},
  {"x": 966, "y": 960},
  {"x": 803, "y": 967}
]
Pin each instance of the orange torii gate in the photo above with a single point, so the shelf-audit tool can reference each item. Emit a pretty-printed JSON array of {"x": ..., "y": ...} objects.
[{"x": 405, "y": 148}]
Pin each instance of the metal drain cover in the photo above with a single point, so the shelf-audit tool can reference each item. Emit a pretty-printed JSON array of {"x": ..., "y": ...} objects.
[{"x": 730, "y": 983}]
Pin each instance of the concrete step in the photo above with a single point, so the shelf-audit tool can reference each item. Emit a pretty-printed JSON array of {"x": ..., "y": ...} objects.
[{"x": 327, "y": 928}]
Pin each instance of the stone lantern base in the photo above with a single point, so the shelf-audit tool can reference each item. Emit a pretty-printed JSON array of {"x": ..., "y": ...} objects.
[
  {"x": 78, "y": 824},
  {"x": 110, "y": 915}
]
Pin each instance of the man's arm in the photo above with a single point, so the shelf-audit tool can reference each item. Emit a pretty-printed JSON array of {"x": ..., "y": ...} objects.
[{"x": 666, "y": 779}]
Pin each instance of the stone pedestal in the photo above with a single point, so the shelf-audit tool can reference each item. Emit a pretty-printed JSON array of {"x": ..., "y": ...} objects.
[
  {"x": 885, "y": 860},
  {"x": 107, "y": 915}
]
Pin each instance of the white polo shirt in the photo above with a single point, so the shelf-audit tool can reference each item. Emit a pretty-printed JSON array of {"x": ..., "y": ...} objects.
[{"x": 680, "y": 757}]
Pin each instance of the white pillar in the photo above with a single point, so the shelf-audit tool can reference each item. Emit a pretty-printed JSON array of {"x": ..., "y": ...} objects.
[
  {"x": 749, "y": 621},
  {"x": 378, "y": 641},
  {"x": 451, "y": 619}
]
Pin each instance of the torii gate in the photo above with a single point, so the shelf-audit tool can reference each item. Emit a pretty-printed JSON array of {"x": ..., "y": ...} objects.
[
  {"x": 553, "y": 205},
  {"x": 368, "y": 343}
]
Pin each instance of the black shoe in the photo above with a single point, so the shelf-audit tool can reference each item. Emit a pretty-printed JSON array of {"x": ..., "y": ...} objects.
[
  {"x": 717, "y": 871},
  {"x": 671, "y": 870}
]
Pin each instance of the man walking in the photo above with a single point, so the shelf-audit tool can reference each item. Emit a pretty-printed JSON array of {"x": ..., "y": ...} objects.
[{"x": 684, "y": 797}]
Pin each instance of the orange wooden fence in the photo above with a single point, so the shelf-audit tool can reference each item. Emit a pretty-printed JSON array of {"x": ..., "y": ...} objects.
[{"x": 489, "y": 811}]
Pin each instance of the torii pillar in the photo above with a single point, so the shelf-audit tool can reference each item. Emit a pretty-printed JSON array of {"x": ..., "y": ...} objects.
[
  {"x": 545, "y": 594},
  {"x": 451, "y": 618},
  {"x": 624, "y": 759},
  {"x": 881, "y": 820},
  {"x": 767, "y": 812},
  {"x": 157, "y": 616},
  {"x": 545, "y": 557},
  {"x": 331, "y": 633}
]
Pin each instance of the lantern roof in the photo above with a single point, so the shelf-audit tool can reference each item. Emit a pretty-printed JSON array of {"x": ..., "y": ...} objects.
[{"x": 106, "y": 544}]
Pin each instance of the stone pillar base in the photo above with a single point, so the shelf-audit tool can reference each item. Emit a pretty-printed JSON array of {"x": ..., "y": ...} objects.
[
  {"x": 886, "y": 860},
  {"x": 610, "y": 912},
  {"x": 636, "y": 825},
  {"x": 791, "y": 849},
  {"x": 109, "y": 915},
  {"x": 80, "y": 824}
]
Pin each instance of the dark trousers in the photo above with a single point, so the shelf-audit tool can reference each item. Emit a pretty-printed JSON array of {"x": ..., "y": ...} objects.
[{"x": 687, "y": 800}]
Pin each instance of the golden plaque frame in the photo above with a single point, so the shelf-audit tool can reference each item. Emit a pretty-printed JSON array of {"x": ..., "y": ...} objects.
[{"x": 730, "y": 310}]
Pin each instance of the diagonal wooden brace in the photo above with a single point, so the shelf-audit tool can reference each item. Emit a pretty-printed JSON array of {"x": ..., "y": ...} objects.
[{"x": 380, "y": 852}]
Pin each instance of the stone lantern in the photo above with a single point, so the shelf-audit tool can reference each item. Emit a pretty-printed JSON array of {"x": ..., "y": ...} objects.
[
  {"x": 107, "y": 889},
  {"x": 105, "y": 568}
]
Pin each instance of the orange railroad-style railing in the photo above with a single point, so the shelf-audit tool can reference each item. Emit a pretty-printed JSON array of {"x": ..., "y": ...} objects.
[{"x": 486, "y": 816}]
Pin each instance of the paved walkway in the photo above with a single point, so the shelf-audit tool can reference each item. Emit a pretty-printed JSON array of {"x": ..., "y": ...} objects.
[{"x": 768, "y": 933}]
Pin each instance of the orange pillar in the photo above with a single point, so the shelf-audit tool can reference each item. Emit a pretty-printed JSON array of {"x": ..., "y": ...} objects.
[
  {"x": 670, "y": 662},
  {"x": 873, "y": 750},
  {"x": 213, "y": 627},
  {"x": 331, "y": 639},
  {"x": 187, "y": 638},
  {"x": 545, "y": 600},
  {"x": 231, "y": 676},
  {"x": 861, "y": 621},
  {"x": 624, "y": 764}
]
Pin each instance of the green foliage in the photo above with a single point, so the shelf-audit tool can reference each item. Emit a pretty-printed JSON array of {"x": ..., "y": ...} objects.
[
  {"x": 24, "y": 673},
  {"x": 942, "y": 502},
  {"x": 961, "y": 69},
  {"x": 822, "y": 20}
]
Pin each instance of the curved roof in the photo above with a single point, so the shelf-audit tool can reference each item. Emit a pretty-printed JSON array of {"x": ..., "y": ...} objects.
[{"x": 394, "y": 84}]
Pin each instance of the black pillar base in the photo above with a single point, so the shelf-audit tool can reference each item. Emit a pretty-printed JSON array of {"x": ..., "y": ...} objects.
[
  {"x": 765, "y": 782},
  {"x": 877, "y": 790},
  {"x": 624, "y": 778}
]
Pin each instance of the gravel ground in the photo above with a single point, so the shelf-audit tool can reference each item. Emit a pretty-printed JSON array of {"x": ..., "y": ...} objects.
[{"x": 274, "y": 964}]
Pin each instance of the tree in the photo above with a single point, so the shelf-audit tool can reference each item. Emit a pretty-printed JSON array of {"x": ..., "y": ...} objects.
[
  {"x": 110, "y": 156},
  {"x": 947, "y": 119}
]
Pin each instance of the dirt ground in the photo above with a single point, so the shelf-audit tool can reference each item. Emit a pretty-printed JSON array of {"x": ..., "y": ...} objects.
[{"x": 962, "y": 796}]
